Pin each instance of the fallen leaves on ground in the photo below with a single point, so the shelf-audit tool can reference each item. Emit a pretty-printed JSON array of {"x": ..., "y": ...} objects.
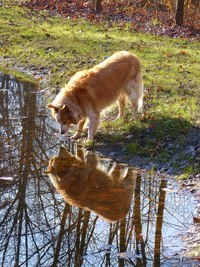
[{"x": 157, "y": 21}]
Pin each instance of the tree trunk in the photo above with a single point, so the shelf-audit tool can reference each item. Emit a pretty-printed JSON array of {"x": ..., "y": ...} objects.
[
  {"x": 92, "y": 3},
  {"x": 179, "y": 12},
  {"x": 96, "y": 5}
]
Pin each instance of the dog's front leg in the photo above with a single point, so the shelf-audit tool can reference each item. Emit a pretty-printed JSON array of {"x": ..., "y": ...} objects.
[
  {"x": 80, "y": 129},
  {"x": 93, "y": 126}
]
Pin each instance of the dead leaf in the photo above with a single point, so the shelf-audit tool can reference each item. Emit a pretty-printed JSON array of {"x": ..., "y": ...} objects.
[
  {"x": 196, "y": 219},
  {"x": 184, "y": 53}
]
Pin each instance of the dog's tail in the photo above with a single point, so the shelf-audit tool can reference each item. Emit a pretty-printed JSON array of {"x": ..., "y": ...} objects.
[{"x": 140, "y": 90}]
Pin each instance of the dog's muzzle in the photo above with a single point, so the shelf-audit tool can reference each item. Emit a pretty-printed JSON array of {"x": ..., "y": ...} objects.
[{"x": 64, "y": 129}]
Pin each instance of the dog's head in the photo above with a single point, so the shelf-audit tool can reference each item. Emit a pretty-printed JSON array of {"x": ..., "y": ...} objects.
[
  {"x": 63, "y": 115},
  {"x": 59, "y": 166}
]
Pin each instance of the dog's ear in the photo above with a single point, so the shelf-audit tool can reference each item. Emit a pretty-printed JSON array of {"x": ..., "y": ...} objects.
[
  {"x": 56, "y": 108},
  {"x": 50, "y": 106},
  {"x": 63, "y": 107}
]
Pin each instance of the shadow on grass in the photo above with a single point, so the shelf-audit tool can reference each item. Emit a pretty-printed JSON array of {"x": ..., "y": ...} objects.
[{"x": 165, "y": 142}]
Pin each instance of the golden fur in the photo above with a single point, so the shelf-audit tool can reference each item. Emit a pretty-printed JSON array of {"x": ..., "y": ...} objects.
[
  {"x": 90, "y": 91},
  {"x": 84, "y": 183}
]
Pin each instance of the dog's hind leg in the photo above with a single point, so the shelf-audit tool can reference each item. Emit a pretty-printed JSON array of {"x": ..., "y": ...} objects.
[
  {"x": 134, "y": 103},
  {"x": 80, "y": 129},
  {"x": 121, "y": 104},
  {"x": 134, "y": 91},
  {"x": 93, "y": 126}
]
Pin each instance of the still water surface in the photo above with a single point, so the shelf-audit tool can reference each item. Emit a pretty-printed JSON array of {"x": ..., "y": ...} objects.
[{"x": 61, "y": 205}]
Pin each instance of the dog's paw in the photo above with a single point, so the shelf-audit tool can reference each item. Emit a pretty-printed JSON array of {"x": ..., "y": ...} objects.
[{"x": 75, "y": 136}]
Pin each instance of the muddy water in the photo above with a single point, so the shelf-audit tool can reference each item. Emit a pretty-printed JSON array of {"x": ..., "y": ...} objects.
[{"x": 85, "y": 210}]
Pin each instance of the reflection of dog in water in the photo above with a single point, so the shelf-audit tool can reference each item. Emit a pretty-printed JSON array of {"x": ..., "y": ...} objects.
[{"x": 85, "y": 184}]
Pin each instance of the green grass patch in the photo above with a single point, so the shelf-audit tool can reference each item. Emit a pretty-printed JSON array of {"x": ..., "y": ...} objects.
[
  {"x": 18, "y": 75},
  {"x": 186, "y": 172},
  {"x": 170, "y": 68}
]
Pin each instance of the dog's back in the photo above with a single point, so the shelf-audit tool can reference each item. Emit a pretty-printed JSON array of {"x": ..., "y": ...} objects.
[
  {"x": 90, "y": 91},
  {"x": 120, "y": 73}
]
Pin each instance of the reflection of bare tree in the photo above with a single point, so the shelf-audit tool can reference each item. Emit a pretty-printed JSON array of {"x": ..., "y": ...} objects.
[
  {"x": 61, "y": 234},
  {"x": 140, "y": 245},
  {"x": 39, "y": 229},
  {"x": 24, "y": 166},
  {"x": 159, "y": 222},
  {"x": 19, "y": 128}
]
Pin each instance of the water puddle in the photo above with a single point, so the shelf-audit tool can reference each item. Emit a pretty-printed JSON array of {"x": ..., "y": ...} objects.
[{"x": 61, "y": 205}]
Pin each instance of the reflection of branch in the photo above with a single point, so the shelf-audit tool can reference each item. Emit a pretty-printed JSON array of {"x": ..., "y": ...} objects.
[
  {"x": 113, "y": 232},
  {"x": 83, "y": 245},
  {"x": 122, "y": 239},
  {"x": 19, "y": 235},
  {"x": 32, "y": 234},
  {"x": 37, "y": 252},
  {"x": 175, "y": 218},
  {"x": 61, "y": 233},
  {"x": 159, "y": 222},
  {"x": 9, "y": 234},
  {"x": 129, "y": 229},
  {"x": 149, "y": 212},
  {"x": 122, "y": 236},
  {"x": 9, "y": 210},
  {"x": 140, "y": 245},
  {"x": 93, "y": 228},
  {"x": 81, "y": 231}
]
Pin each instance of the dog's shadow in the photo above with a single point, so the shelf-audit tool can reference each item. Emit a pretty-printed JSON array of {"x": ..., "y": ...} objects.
[
  {"x": 88, "y": 182},
  {"x": 161, "y": 140}
]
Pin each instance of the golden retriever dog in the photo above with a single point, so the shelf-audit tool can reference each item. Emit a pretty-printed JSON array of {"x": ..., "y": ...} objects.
[
  {"x": 85, "y": 183},
  {"x": 90, "y": 91}
]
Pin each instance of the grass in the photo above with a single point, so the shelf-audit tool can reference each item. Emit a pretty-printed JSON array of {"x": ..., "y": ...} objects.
[
  {"x": 170, "y": 68},
  {"x": 18, "y": 75}
]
